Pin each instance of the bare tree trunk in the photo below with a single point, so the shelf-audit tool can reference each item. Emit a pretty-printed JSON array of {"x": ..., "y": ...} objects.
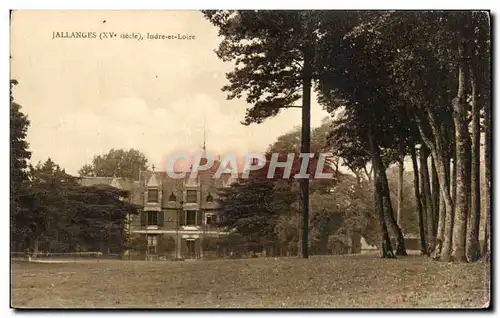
[
  {"x": 337, "y": 165},
  {"x": 423, "y": 197},
  {"x": 431, "y": 234},
  {"x": 435, "y": 194},
  {"x": 358, "y": 177},
  {"x": 299, "y": 230},
  {"x": 401, "y": 171},
  {"x": 472, "y": 246},
  {"x": 487, "y": 188},
  {"x": 462, "y": 146},
  {"x": 308, "y": 54},
  {"x": 449, "y": 210},
  {"x": 356, "y": 236},
  {"x": 440, "y": 230},
  {"x": 389, "y": 214},
  {"x": 442, "y": 213},
  {"x": 418, "y": 199},
  {"x": 442, "y": 164},
  {"x": 368, "y": 173},
  {"x": 386, "y": 246},
  {"x": 454, "y": 179},
  {"x": 483, "y": 76}
]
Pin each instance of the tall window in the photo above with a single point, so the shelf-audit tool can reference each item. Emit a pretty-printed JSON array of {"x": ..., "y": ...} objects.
[
  {"x": 190, "y": 249},
  {"x": 191, "y": 217},
  {"x": 152, "y": 195},
  {"x": 152, "y": 218},
  {"x": 191, "y": 196}
]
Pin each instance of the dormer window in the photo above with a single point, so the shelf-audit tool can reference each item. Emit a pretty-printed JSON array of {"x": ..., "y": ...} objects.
[
  {"x": 172, "y": 198},
  {"x": 153, "y": 196},
  {"x": 210, "y": 198}
]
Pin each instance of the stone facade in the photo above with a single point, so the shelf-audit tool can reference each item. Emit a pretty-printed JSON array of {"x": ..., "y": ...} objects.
[{"x": 184, "y": 210}]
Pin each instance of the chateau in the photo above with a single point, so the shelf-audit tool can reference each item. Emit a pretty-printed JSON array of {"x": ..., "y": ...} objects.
[{"x": 183, "y": 210}]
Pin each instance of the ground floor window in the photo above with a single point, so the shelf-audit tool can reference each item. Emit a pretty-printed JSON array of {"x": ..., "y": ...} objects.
[
  {"x": 191, "y": 217},
  {"x": 191, "y": 248},
  {"x": 152, "y": 244},
  {"x": 211, "y": 219}
]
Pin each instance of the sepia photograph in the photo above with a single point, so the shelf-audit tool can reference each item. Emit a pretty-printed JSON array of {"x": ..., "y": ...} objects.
[{"x": 250, "y": 159}]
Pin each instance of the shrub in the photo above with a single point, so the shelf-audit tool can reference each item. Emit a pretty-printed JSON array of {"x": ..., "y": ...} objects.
[{"x": 137, "y": 242}]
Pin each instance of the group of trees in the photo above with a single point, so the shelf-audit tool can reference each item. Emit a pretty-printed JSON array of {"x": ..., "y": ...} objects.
[
  {"x": 399, "y": 85},
  {"x": 264, "y": 212},
  {"x": 116, "y": 162},
  {"x": 51, "y": 212},
  {"x": 19, "y": 155},
  {"x": 413, "y": 84}
]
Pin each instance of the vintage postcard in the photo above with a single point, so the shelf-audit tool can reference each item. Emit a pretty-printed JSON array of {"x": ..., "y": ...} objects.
[{"x": 250, "y": 159}]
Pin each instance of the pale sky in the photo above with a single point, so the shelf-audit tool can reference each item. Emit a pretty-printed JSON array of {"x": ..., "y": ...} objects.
[{"x": 86, "y": 96}]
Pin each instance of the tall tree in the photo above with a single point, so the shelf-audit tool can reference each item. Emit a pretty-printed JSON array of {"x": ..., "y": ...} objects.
[
  {"x": 251, "y": 208},
  {"x": 462, "y": 138},
  {"x": 427, "y": 202},
  {"x": 353, "y": 77},
  {"x": 98, "y": 217},
  {"x": 430, "y": 64},
  {"x": 380, "y": 67},
  {"x": 439, "y": 65},
  {"x": 420, "y": 208},
  {"x": 480, "y": 83},
  {"x": 274, "y": 54},
  {"x": 117, "y": 162},
  {"x": 485, "y": 94},
  {"x": 435, "y": 193},
  {"x": 401, "y": 172},
  {"x": 386, "y": 246},
  {"x": 65, "y": 217},
  {"x": 47, "y": 204},
  {"x": 19, "y": 155},
  {"x": 473, "y": 251}
]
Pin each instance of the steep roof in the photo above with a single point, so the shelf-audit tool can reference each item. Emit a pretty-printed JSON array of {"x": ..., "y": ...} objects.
[
  {"x": 152, "y": 182},
  {"x": 135, "y": 188},
  {"x": 91, "y": 181},
  {"x": 116, "y": 183}
]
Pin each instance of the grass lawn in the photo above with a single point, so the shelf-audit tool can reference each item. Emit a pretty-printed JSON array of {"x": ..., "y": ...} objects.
[{"x": 321, "y": 281}]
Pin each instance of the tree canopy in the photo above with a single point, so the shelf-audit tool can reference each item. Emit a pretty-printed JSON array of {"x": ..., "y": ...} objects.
[
  {"x": 402, "y": 81},
  {"x": 117, "y": 162},
  {"x": 60, "y": 215},
  {"x": 19, "y": 156}
]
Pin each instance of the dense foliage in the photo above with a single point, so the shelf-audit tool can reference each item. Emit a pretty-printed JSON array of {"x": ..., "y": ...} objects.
[
  {"x": 404, "y": 83},
  {"x": 59, "y": 215},
  {"x": 19, "y": 156},
  {"x": 117, "y": 162},
  {"x": 265, "y": 212}
]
